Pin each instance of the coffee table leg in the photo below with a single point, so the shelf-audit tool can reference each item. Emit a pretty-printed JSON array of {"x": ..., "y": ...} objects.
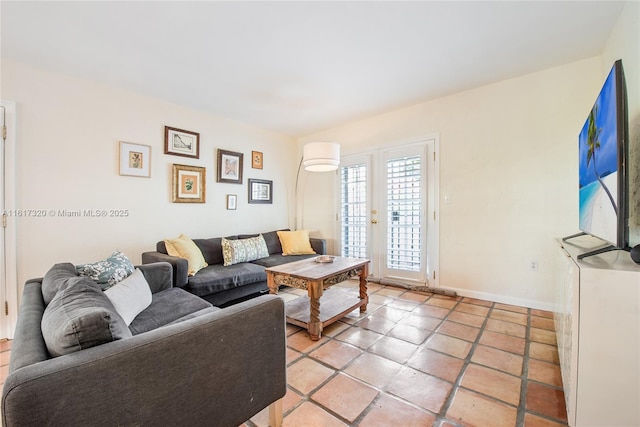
[
  {"x": 315, "y": 325},
  {"x": 273, "y": 288},
  {"x": 363, "y": 287}
]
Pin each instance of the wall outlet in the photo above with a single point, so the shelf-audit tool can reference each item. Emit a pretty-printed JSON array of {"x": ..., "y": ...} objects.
[{"x": 533, "y": 265}]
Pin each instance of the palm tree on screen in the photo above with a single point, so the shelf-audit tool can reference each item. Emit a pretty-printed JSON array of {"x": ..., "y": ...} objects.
[{"x": 593, "y": 141}]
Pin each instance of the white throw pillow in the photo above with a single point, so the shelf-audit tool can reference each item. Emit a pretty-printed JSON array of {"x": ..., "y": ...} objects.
[{"x": 130, "y": 296}]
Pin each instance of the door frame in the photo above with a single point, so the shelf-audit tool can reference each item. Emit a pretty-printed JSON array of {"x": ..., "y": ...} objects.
[
  {"x": 374, "y": 156},
  {"x": 8, "y": 239}
]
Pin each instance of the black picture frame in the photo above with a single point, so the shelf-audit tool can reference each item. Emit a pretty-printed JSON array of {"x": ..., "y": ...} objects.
[{"x": 260, "y": 191}]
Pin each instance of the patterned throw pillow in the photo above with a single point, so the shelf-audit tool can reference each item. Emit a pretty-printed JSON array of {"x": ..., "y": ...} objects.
[
  {"x": 109, "y": 271},
  {"x": 243, "y": 250}
]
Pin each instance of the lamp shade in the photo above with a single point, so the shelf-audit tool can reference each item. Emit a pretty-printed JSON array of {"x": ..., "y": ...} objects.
[{"x": 321, "y": 156}]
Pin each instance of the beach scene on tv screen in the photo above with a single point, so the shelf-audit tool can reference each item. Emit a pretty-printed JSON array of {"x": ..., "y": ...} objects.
[{"x": 598, "y": 166}]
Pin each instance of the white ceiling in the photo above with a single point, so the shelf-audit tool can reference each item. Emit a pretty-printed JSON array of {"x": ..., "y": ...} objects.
[{"x": 300, "y": 67}]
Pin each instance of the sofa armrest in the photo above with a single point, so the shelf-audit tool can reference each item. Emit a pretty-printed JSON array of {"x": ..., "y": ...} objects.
[
  {"x": 179, "y": 265},
  {"x": 159, "y": 275},
  {"x": 318, "y": 245},
  {"x": 222, "y": 368}
]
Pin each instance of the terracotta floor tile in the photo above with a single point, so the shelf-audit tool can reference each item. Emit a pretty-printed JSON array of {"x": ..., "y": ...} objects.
[
  {"x": 292, "y": 329},
  {"x": 542, "y": 323},
  {"x": 406, "y": 302},
  {"x": 509, "y": 316},
  {"x": 467, "y": 319},
  {"x": 449, "y": 345},
  {"x": 514, "y": 308},
  {"x": 291, "y": 399},
  {"x": 336, "y": 353},
  {"x": 543, "y": 336},
  {"x": 6, "y": 345},
  {"x": 390, "y": 411},
  {"x": 359, "y": 337},
  {"x": 542, "y": 313},
  {"x": 392, "y": 292},
  {"x": 507, "y": 328},
  {"x": 394, "y": 349},
  {"x": 305, "y": 375},
  {"x": 423, "y": 322},
  {"x": 494, "y": 383},
  {"x": 409, "y": 333},
  {"x": 478, "y": 310},
  {"x": 391, "y": 313},
  {"x": 503, "y": 342},
  {"x": 531, "y": 420},
  {"x": 377, "y": 324},
  {"x": 334, "y": 329},
  {"x": 431, "y": 311},
  {"x": 373, "y": 369},
  {"x": 292, "y": 355},
  {"x": 475, "y": 301},
  {"x": 498, "y": 359},
  {"x": 310, "y": 415},
  {"x": 548, "y": 353},
  {"x": 5, "y": 357},
  {"x": 424, "y": 390},
  {"x": 437, "y": 364},
  {"x": 458, "y": 330},
  {"x": 544, "y": 372},
  {"x": 546, "y": 400},
  {"x": 472, "y": 409},
  {"x": 441, "y": 302},
  {"x": 345, "y": 396},
  {"x": 302, "y": 342},
  {"x": 414, "y": 296},
  {"x": 380, "y": 299}
]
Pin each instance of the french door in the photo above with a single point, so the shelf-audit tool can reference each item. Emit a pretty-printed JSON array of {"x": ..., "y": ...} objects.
[{"x": 389, "y": 213}]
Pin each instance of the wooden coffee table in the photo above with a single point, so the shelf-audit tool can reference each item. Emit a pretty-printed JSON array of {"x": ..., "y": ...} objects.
[{"x": 316, "y": 278}]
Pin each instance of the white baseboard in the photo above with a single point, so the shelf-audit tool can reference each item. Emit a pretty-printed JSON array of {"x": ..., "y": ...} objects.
[{"x": 521, "y": 302}]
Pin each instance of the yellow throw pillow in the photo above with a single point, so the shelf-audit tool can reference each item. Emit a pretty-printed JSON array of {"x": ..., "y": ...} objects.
[
  {"x": 295, "y": 242},
  {"x": 184, "y": 247}
]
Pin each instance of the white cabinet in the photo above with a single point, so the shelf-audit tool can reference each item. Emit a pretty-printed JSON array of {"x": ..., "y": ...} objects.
[{"x": 597, "y": 325}]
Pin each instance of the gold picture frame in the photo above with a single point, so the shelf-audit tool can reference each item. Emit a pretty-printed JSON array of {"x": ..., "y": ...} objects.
[
  {"x": 135, "y": 159},
  {"x": 256, "y": 159},
  {"x": 189, "y": 184}
]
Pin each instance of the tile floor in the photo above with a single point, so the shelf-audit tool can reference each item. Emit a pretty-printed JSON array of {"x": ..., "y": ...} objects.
[
  {"x": 424, "y": 360},
  {"x": 420, "y": 360}
]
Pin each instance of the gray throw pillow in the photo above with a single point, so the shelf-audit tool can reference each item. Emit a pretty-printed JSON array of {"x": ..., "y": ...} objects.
[
  {"x": 80, "y": 316},
  {"x": 56, "y": 278}
]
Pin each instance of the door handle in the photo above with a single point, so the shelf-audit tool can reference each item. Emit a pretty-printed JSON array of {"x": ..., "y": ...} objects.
[{"x": 374, "y": 221}]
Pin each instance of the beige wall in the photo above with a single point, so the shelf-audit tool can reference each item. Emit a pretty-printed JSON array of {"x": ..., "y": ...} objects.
[
  {"x": 508, "y": 162},
  {"x": 67, "y": 158}
]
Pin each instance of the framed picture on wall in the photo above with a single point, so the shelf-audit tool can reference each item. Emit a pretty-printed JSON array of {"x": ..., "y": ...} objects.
[
  {"x": 188, "y": 184},
  {"x": 181, "y": 142},
  {"x": 260, "y": 191},
  {"x": 232, "y": 202},
  {"x": 135, "y": 159},
  {"x": 229, "y": 167},
  {"x": 256, "y": 159}
]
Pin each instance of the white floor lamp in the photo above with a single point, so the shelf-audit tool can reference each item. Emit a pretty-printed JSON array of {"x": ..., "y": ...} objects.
[{"x": 316, "y": 157}]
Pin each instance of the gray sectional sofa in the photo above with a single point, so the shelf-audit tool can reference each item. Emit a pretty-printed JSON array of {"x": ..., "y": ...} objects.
[
  {"x": 181, "y": 361},
  {"x": 222, "y": 285}
]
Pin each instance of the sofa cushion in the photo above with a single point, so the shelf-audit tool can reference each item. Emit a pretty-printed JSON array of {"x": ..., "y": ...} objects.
[
  {"x": 80, "y": 316},
  {"x": 130, "y": 296},
  {"x": 184, "y": 247},
  {"x": 278, "y": 259},
  {"x": 217, "y": 278},
  {"x": 243, "y": 250},
  {"x": 271, "y": 239},
  {"x": 56, "y": 278},
  {"x": 107, "y": 272},
  {"x": 168, "y": 307},
  {"x": 295, "y": 242}
]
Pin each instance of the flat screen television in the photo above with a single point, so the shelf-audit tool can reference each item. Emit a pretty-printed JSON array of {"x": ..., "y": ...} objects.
[{"x": 603, "y": 152}]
